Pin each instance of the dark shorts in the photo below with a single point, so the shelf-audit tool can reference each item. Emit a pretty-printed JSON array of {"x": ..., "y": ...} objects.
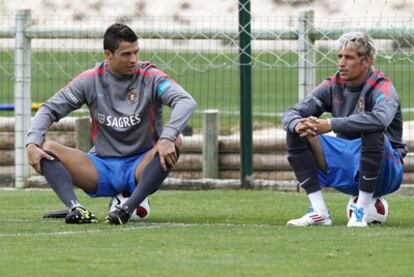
[
  {"x": 343, "y": 156},
  {"x": 116, "y": 175}
]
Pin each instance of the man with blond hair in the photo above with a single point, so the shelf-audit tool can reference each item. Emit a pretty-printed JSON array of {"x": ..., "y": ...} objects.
[{"x": 365, "y": 157}]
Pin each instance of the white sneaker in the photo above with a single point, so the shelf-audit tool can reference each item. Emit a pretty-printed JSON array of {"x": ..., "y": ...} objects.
[
  {"x": 311, "y": 218},
  {"x": 357, "y": 217}
]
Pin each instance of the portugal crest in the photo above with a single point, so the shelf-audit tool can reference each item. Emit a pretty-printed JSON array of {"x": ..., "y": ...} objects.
[
  {"x": 132, "y": 96},
  {"x": 361, "y": 104}
]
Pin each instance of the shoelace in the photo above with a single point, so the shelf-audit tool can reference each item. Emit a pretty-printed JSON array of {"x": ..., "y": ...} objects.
[{"x": 359, "y": 212}]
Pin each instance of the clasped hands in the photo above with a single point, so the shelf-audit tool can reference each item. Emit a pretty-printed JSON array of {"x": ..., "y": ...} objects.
[{"x": 312, "y": 126}]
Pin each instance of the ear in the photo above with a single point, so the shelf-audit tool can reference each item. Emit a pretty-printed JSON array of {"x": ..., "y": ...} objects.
[
  {"x": 369, "y": 61},
  {"x": 108, "y": 55}
]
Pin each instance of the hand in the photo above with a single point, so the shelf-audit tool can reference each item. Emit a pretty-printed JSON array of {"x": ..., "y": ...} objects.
[
  {"x": 307, "y": 127},
  {"x": 324, "y": 126},
  {"x": 166, "y": 149},
  {"x": 35, "y": 155}
]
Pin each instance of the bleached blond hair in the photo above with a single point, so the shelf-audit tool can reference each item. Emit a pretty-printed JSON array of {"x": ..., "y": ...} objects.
[{"x": 361, "y": 41}]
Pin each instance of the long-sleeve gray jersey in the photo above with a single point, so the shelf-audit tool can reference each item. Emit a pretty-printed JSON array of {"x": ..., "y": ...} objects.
[
  {"x": 373, "y": 106},
  {"x": 126, "y": 112}
]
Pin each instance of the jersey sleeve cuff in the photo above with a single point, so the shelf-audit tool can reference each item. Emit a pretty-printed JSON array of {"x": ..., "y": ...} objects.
[
  {"x": 336, "y": 124},
  {"x": 38, "y": 140},
  {"x": 292, "y": 125},
  {"x": 169, "y": 133}
]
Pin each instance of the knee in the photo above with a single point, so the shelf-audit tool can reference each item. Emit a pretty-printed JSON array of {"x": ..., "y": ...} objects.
[
  {"x": 295, "y": 142},
  {"x": 52, "y": 148},
  {"x": 49, "y": 145},
  {"x": 373, "y": 142}
]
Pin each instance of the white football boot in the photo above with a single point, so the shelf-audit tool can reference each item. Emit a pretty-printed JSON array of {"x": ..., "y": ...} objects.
[
  {"x": 357, "y": 217},
  {"x": 311, "y": 218}
]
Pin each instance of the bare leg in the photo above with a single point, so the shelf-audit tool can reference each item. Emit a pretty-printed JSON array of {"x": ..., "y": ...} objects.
[
  {"x": 79, "y": 166},
  {"x": 148, "y": 157},
  {"x": 318, "y": 153},
  {"x": 68, "y": 167},
  {"x": 144, "y": 162},
  {"x": 149, "y": 175}
]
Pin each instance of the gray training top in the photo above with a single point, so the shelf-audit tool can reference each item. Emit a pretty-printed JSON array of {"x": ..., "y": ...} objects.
[
  {"x": 126, "y": 112},
  {"x": 373, "y": 106}
]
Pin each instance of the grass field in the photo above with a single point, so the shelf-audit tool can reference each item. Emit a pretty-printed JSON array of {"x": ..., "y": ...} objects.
[
  {"x": 211, "y": 78},
  {"x": 202, "y": 233}
]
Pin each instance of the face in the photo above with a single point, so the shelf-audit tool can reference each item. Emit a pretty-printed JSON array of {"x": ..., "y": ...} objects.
[
  {"x": 124, "y": 60},
  {"x": 352, "y": 68}
]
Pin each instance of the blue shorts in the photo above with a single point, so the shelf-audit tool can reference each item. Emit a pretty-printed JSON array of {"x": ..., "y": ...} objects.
[
  {"x": 343, "y": 156},
  {"x": 116, "y": 175}
]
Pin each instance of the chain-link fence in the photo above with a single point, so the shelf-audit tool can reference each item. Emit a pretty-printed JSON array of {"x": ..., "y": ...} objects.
[{"x": 289, "y": 56}]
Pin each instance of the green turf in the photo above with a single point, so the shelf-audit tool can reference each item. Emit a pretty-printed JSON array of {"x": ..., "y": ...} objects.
[{"x": 202, "y": 233}]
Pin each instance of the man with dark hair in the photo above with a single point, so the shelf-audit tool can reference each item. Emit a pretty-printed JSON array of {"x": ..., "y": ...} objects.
[
  {"x": 132, "y": 152},
  {"x": 365, "y": 158},
  {"x": 116, "y": 34}
]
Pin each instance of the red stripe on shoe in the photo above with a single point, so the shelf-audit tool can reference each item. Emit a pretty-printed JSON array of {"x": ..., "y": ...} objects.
[{"x": 317, "y": 218}]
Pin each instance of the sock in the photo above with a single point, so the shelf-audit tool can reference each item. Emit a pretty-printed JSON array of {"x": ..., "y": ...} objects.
[
  {"x": 317, "y": 202},
  {"x": 365, "y": 199},
  {"x": 150, "y": 181},
  {"x": 60, "y": 180},
  {"x": 303, "y": 163},
  {"x": 74, "y": 204},
  {"x": 372, "y": 156}
]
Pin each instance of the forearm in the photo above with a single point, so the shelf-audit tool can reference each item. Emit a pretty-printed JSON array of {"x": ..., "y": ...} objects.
[
  {"x": 311, "y": 106},
  {"x": 358, "y": 123},
  {"x": 378, "y": 119},
  {"x": 180, "y": 114},
  {"x": 39, "y": 127}
]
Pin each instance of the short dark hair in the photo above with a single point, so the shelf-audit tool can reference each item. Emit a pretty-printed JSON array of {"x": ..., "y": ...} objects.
[{"x": 117, "y": 33}]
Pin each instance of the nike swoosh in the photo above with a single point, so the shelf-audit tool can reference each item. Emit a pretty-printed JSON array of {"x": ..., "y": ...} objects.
[
  {"x": 301, "y": 184},
  {"x": 369, "y": 179},
  {"x": 118, "y": 201}
]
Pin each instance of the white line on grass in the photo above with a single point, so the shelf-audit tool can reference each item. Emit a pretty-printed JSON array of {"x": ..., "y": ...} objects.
[
  {"x": 17, "y": 220},
  {"x": 130, "y": 228},
  {"x": 65, "y": 233}
]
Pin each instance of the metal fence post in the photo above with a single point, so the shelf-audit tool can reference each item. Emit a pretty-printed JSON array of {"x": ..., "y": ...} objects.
[
  {"x": 246, "y": 129},
  {"x": 210, "y": 144},
  {"x": 306, "y": 54},
  {"x": 22, "y": 97}
]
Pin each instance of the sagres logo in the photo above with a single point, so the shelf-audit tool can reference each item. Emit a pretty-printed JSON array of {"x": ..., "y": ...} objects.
[{"x": 118, "y": 122}]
